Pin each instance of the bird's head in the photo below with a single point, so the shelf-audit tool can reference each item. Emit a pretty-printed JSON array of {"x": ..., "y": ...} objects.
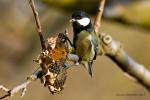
[{"x": 80, "y": 21}]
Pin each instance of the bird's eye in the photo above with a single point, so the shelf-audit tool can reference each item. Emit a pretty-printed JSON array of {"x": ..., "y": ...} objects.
[{"x": 79, "y": 17}]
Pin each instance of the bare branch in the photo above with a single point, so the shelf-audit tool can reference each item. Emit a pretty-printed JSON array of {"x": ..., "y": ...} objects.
[
  {"x": 98, "y": 18},
  {"x": 112, "y": 49},
  {"x": 52, "y": 61},
  {"x": 38, "y": 24},
  {"x": 23, "y": 86},
  {"x": 54, "y": 75},
  {"x": 3, "y": 88},
  {"x": 115, "y": 52}
]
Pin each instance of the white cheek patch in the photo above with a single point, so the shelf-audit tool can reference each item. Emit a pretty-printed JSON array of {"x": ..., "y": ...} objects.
[{"x": 84, "y": 21}]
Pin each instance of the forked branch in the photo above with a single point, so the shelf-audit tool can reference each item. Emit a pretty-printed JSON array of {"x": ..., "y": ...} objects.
[{"x": 22, "y": 87}]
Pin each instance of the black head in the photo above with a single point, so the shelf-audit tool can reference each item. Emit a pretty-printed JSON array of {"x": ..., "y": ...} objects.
[
  {"x": 80, "y": 15},
  {"x": 80, "y": 21}
]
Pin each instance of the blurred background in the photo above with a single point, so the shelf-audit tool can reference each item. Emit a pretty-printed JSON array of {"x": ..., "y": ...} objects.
[{"x": 125, "y": 20}]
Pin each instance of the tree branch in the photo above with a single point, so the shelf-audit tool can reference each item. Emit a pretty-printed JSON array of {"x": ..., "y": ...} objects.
[
  {"x": 111, "y": 48},
  {"x": 98, "y": 18},
  {"x": 38, "y": 24},
  {"x": 54, "y": 75},
  {"x": 116, "y": 53},
  {"x": 23, "y": 86}
]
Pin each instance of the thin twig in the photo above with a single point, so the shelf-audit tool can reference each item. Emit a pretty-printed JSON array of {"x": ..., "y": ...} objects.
[
  {"x": 38, "y": 24},
  {"x": 97, "y": 23},
  {"x": 3, "y": 88},
  {"x": 23, "y": 86}
]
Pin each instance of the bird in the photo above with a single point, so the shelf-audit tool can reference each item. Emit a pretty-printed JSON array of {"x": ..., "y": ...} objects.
[{"x": 85, "y": 39}]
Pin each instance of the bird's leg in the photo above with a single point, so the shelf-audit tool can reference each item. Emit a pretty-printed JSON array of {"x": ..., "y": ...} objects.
[
  {"x": 65, "y": 38},
  {"x": 71, "y": 44}
]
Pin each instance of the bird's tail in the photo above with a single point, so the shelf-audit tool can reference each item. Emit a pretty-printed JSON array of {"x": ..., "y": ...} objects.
[{"x": 88, "y": 66}]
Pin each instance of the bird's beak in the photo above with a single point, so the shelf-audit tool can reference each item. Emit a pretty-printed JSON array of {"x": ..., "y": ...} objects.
[{"x": 72, "y": 20}]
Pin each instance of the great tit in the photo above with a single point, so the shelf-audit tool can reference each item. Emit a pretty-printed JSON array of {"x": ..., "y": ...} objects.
[{"x": 85, "y": 40}]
